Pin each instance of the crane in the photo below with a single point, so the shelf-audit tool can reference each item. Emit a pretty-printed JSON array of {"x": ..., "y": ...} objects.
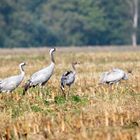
[
  {"x": 68, "y": 78},
  {"x": 10, "y": 83},
  {"x": 42, "y": 76},
  {"x": 113, "y": 76}
]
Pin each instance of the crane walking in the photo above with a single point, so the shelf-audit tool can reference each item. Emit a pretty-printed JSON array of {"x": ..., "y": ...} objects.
[
  {"x": 42, "y": 76},
  {"x": 11, "y": 83}
]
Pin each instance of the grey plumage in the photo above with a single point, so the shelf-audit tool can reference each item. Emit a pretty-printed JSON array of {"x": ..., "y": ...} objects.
[
  {"x": 42, "y": 76},
  {"x": 10, "y": 83},
  {"x": 113, "y": 76},
  {"x": 68, "y": 77}
]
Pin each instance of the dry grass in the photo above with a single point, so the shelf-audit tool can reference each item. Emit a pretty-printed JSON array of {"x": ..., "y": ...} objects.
[{"x": 92, "y": 111}]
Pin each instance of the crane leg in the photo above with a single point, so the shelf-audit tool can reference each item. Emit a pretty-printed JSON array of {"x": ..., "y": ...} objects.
[
  {"x": 69, "y": 91},
  {"x": 63, "y": 91},
  {"x": 117, "y": 85},
  {"x": 41, "y": 91}
]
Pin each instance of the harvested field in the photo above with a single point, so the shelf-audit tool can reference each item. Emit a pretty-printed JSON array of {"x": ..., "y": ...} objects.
[{"x": 92, "y": 111}]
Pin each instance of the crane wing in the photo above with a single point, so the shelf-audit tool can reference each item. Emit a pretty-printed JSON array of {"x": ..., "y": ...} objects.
[
  {"x": 71, "y": 78},
  {"x": 36, "y": 74},
  {"x": 67, "y": 78},
  {"x": 11, "y": 82},
  {"x": 103, "y": 77},
  {"x": 67, "y": 73},
  {"x": 42, "y": 76},
  {"x": 114, "y": 75}
]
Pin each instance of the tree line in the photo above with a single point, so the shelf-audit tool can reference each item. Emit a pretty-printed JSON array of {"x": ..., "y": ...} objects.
[{"x": 69, "y": 22}]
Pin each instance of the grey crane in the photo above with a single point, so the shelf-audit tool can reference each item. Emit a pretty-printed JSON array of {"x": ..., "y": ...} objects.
[
  {"x": 113, "y": 76},
  {"x": 10, "y": 83},
  {"x": 68, "y": 77},
  {"x": 42, "y": 76}
]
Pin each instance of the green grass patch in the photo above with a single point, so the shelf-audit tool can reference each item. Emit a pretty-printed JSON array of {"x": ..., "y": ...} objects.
[
  {"x": 60, "y": 100},
  {"x": 36, "y": 108}
]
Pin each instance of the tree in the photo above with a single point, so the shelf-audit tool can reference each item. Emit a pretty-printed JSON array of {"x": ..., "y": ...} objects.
[
  {"x": 119, "y": 28},
  {"x": 74, "y": 22},
  {"x": 68, "y": 22},
  {"x": 133, "y": 4}
]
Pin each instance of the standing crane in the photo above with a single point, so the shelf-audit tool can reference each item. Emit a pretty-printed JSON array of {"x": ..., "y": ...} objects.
[
  {"x": 68, "y": 77},
  {"x": 113, "y": 76},
  {"x": 42, "y": 76},
  {"x": 11, "y": 83}
]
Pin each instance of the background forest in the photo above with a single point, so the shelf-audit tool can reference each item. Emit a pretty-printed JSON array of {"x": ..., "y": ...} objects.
[{"x": 36, "y": 23}]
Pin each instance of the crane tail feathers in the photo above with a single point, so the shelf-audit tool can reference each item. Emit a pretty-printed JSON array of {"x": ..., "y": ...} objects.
[{"x": 26, "y": 87}]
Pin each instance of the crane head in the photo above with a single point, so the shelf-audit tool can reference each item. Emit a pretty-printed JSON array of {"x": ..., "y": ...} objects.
[
  {"x": 75, "y": 63},
  {"x": 22, "y": 64},
  {"x": 130, "y": 71},
  {"x": 52, "y": 50}
]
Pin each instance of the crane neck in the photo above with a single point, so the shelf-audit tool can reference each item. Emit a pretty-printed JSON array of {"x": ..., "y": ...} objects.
[
  {"x": 73, "y": 66},
  {"x": 52, "y": 57},
  {"x": 21, "y": 69}
]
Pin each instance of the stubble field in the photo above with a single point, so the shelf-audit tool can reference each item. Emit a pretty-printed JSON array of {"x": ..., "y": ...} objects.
[{"x": 92, "y": 111}]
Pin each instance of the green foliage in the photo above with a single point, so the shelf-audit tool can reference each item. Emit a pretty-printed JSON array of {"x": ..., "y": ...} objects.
[
  {"x": 60, "y": 100},
  {"x": 76, "y": 98},
  {"x": 75, "y": 21},
  {"x": 36, "y": 108},
  {"x": 119, "y": 22},
  {"x": 46, "y": 102},
  {"x": 60, "y": 22}
]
